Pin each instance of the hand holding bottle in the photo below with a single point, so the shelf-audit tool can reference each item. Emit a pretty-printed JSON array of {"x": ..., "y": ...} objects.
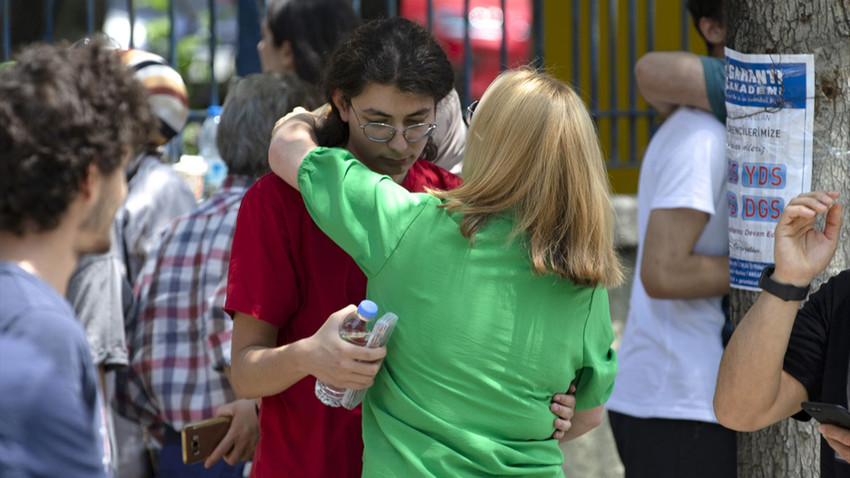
[{"x": 337, "y": 362}]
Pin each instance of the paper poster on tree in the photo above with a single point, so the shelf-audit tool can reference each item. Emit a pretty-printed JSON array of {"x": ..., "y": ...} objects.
[{"x": 770, "y": 115}]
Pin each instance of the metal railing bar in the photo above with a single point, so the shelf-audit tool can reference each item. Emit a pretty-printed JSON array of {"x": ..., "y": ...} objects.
[
  {"x": 49, "y": 16},
  {"x": 594, "y": 58},
  {"x": 7, "y": 31},
  {"x": 576, "y": 36},
  {"x": 613, "y": 38},
  {"x": 537, "y": 20},
  {"x": 131, "y": 14},
  {"x": 503, "y": 48},
  {"x": 89, "y": 16},
  {"x": 632, "y": 83},
  {"x": 467, "y": 55},
  {"x": 213, "y": 41}
]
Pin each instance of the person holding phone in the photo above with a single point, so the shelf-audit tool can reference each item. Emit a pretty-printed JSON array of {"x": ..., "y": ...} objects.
[{"x": 780, "y": 354}]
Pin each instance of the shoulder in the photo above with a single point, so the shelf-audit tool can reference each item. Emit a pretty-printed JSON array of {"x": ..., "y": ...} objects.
[
  {"x": 271, "y": 193},
  {"x": 690, "y": 133},
  {"x": 154, "y": 176},
  {"x": 426, "y": 174},
  {"x": 832, "y": 297},
  {"x": 697, "y": 123},
  {"x": 25, "y": 294}
]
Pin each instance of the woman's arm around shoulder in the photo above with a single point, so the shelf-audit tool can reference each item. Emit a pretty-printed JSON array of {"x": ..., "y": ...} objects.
[{"x": 293, "y": 137}]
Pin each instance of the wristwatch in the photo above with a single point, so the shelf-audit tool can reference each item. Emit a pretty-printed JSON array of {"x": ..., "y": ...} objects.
[{"x": 783, "y": 291}]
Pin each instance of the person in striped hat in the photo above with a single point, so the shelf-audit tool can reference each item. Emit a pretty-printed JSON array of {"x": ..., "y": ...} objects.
[
  {"x": 168, "y": 97},
  {"x": 101, "y": 287}
]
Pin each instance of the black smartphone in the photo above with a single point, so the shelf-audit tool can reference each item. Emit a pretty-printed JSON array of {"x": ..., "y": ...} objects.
[
  {"x": 200, "y": 438},
  {"x": 828, "y": 413}
]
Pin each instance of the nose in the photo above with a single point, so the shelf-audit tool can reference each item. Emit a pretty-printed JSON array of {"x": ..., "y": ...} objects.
[{"x": 398, "y": 143}]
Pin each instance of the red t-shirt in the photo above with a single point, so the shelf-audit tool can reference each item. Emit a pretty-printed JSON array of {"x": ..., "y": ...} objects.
[{"x": 285, "y": 271}]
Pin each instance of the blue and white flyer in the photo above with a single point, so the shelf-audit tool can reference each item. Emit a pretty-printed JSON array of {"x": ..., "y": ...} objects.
[{"x": 770, "y": 116}]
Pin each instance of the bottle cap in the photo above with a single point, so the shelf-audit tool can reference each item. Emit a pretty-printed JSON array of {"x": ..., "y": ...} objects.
[
  {"x": 367, "y": 309},
  {"x": 214, "y": 110}
]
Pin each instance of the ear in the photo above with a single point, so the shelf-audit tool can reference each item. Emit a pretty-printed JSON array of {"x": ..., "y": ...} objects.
[
  {"x": 90, "y": 185},
  {"x": 341, "y": 104},
  {"x": 713, "y": 31},
  {"x": 287, "y": 56}
]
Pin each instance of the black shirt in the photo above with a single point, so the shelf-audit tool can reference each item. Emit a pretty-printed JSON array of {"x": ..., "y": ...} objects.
[{"x": 818, "y": 355}]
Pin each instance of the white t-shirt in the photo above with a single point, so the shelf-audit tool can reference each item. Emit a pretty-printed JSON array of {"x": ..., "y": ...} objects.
[{"x": 671, "y": 349}]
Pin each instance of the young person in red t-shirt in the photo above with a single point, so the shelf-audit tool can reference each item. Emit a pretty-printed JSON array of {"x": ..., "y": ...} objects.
[{"x": 288, "y": 281}]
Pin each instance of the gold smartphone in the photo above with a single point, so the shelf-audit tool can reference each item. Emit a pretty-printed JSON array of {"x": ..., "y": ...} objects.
[{"x": 200, "y": 438}]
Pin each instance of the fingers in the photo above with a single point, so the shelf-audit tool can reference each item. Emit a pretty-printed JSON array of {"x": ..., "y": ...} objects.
[
  {"x": 564, "y": 412},
  {"x": 798, "y": 216},
  {"x": 224, "y": 446},
  {"x": 836, "y": 433},
  {"x": 833, "y": 222},
  {"x": 808, "y": 205},
  {"x": 338, "y": 316},
  {"x": 563, "y": 405},
  {"x": 356, "y": 375},
  {"x": 838, "y": 439},
  {"x": 233, "y": 456}
]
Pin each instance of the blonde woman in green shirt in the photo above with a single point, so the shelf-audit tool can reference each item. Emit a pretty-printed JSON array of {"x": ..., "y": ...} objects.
[{"x": 498, "y": 284}]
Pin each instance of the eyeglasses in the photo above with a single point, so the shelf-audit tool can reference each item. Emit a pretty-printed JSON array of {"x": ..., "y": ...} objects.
[
  {"x": 469, "y": 110},
  {"x": 384, "y": 133}
]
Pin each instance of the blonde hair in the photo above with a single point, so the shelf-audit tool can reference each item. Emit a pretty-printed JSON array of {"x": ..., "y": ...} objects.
[{"x": 532, "y": 150}]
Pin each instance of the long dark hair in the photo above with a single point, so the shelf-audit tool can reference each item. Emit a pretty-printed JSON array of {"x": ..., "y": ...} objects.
[
  {"x": 392, "y": 51},
  {"x": 313, "y": 28}
]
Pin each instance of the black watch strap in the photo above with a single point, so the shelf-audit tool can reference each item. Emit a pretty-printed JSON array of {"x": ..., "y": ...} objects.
[{"x": 783, "y": 291}]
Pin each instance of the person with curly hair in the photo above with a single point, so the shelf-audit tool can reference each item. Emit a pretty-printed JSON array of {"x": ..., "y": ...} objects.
[{"x": 70, "y": 120}]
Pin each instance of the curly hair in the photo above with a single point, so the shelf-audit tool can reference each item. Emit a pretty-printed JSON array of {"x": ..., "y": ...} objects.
[
  {"x": 63, "y": 108},
  {"x": 392, "y": 51}
]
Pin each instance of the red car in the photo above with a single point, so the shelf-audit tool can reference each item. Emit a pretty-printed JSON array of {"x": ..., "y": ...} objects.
[{"x": 485, "y": 34}]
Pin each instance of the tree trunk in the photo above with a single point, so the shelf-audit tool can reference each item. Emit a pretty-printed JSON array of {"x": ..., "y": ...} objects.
[{"x": 822, "y": 28}]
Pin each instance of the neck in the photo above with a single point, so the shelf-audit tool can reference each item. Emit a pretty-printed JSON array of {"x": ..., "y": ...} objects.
[
  {"x": 718, "y": 51},
  {"x": 47, "y": 255}
]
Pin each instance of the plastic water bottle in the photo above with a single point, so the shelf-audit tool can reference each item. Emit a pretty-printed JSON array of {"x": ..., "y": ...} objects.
[
  {"x": 354, "y": 329},
  {"x": 216, "y": 168}
]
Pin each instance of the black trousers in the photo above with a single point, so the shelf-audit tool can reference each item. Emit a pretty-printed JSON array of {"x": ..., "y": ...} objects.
[{"x": 660, "y": 448}]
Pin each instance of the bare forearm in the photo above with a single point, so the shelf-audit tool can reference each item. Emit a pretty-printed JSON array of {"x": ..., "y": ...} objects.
[
  {"x": 582, "y": 422},
  {"x": 751, "y": 390},
  {"x": 260, "y": 371},
  {"x": 293, "y": 138},
  {"x": 692, "y": 276},
  {"x": 667, "y": 79}
]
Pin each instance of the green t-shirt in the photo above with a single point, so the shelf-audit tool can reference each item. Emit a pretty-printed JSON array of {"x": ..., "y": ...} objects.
[{"x": 481, "y": 343}]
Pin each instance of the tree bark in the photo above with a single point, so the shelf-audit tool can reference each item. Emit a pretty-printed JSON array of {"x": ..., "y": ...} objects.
[{"x": 822, "y": 28}]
